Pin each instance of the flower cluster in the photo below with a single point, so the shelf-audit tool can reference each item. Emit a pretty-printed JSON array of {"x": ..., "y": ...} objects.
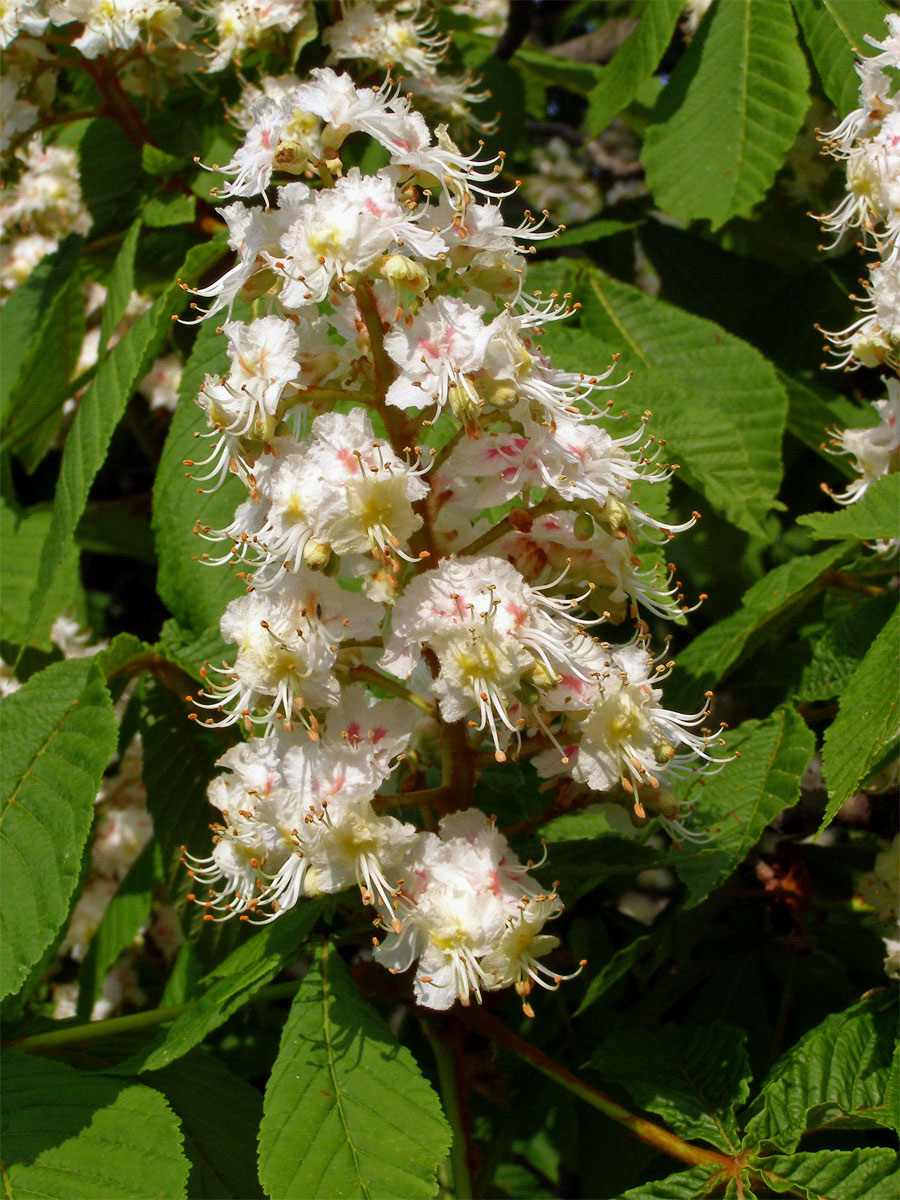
[
  {"x": 433, "y": 510},
  {"x": 868, "y": 142}
]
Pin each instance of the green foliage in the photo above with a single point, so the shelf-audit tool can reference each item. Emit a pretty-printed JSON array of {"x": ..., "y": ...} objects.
[
  {"x": 721, "y": 129},
  {"x": 737, "y": 804},
  {"x": 634, "y": 62},
  {"x": 119, "y": 286},
  {"x": 98, "y": 414},
  {"x": 695, "y": 1078},
  {"x": 868, "y": 721},
  {"x": 235, "y": 981},
  {"x": 85, "y": 1136},
  {"x": 838, "y": 1174},
  {"x": 195, "y": 594},
  {"x": 23, "y": 535},
  {"x": 57, "y": 735},
  {"x": 875, "y": 517},
  {"x": 836, "y": 1075},
  {"x": 715, "y": 400},
  {"x": 833, "y": 31},
  {"x": 347, "y": 1111}
]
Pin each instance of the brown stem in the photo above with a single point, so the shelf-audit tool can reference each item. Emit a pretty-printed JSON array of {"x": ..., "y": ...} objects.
[
  {"x": 502, "y": 527},
  {"x": 654, "y": 1135},
  {"x": 365, "y": 674}
]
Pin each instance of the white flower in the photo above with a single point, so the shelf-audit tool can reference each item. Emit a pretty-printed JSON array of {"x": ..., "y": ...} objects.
[
  {"x": 21, "y": 16},
  {"x": 287, "y": 645},
  {"x": 161, "y": 383},
  {"x": 16, "y": 116},
  {"x": 241, "y": 24},
  {"x": 47, "y": 196},
  {"x": 875, "y": 450},
  {"x": 118, "y": 26}
]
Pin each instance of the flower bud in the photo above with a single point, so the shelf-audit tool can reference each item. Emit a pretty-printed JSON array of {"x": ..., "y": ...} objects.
[
  {"x": 316, "y": 555},
  {"x": 583, "y": 527},
  {"x": 403, "y": 272}
]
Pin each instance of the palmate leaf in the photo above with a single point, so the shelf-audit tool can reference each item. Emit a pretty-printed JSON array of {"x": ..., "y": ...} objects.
[
  {"x": 870, "y": 1173},
  {"x": 838, "y": 1072},
  {"x": 235, "y": 981},
  {"x": 876, "y": 516},
  {"x": 727, "y": 118},
  {"x": 85, "y": 1136},
  {"x": 735, "y": 805},
  {"x": 98, "y": 414},
  {"x": 693, "y": 1077},
  {"x": 347, "y": 1112},
  {"x": 868, "y": 720},
  {"x": 635, "y": 60},
  {"x": 57, "y": 734},
  {"x": 196, "y": 595},
  {"x": 716, "y": 400},
  {"x": 768, "y": 607},
  {"x": 833, "y": 31}
]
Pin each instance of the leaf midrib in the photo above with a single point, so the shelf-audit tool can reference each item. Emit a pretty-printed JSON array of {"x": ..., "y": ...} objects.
[{"x": 326, "y": 1033}]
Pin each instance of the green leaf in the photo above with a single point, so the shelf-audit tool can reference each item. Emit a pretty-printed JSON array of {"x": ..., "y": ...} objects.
[
  {"x": 736, "y": 804},
  {"x": 36, "y": 400},
  {"x": 116, "y": 529},
  {"x": 179, "y": 761},
  {"x": 839, "y": 1070},
  {"x": 868, "y": 1173},
  {"x": 875, "y": 517},
  {"x": 812, "y": 411},
  {"x": 617, "y": 967},
  {"x": 694, "y": 1077},
  {"x": 98, "y": 414},
  {"x": 590, "y": 231},
  {"x": 635, "y": 60},
  {"x": 26, "y": 316},
  {"x": 124, "y": 916},
  {"x": 190, "y": 650},
  {"x": 868, "y": 720},
  {"x": 892, "y": 1092},
  {"x": 57, "y": 735},
  {"x": 833, "y": 31},
  {"x": 162, "y": 211},
  {"x": 158, "y": 162},
  {"x": 772, "y": 604},
  {"x": 347, "y": 1111},
  {"x": 235, "y": 981},
  {"x": 119, "y": 286},
  {"x": 727, "y": 118},
  {"x": 85, "y": 1136},
  {"x": 578, "y": 77},
  {"x": 109, "y": 173},
  {"x": 23, "y": 536},
  {"x": 716, "y": 400},
  {"x": 683, "y": 1185},
  {"x": 195, "y": 594},
  {"x": 221, "y": 1167},
  {"x": 837, "y": 654}
]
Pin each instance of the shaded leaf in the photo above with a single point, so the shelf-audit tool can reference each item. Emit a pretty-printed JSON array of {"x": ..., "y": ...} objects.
[
  {"x": 617, "y": 967},
  {"x": 165, "y": 210},
  {"x": 833, "y": 31},
  {"x": 837, "y": 654},
  {"x": 716, "y": 400},
  {"x": 235, "y": 981},
  {"x": 635, "y": 60},
  {"x": 77, "y": 1135},
  {"x": 57, "y": 734},
  {"x": 724, "y": 123},
  {"x": 347, "y": 1111},
  {"x": 735, "y": 805},
  {"x": 768, "y": 607},
  {"x": 812, "y": 411},
  {"x": 694, "y": 1077},
  {"x": 876, "y": 516},
  {"x": 27, "y": 313},
  {"x": 119, "y": 286},
  {"x": 23, "y": 535},
  {"x": 839, "y": 1070},
  {"x": 683, "y": 1185},
  {"x": 866, "y": 1174},
  {"x": 98, "y": 414},
  {"x": 221, "y": 1167},
  {"x": 126, "y": 913},
  {"x": 196, "y": 595},
  {"x": 868, "y": 720},
  {"x": 109, "y": 171}
]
